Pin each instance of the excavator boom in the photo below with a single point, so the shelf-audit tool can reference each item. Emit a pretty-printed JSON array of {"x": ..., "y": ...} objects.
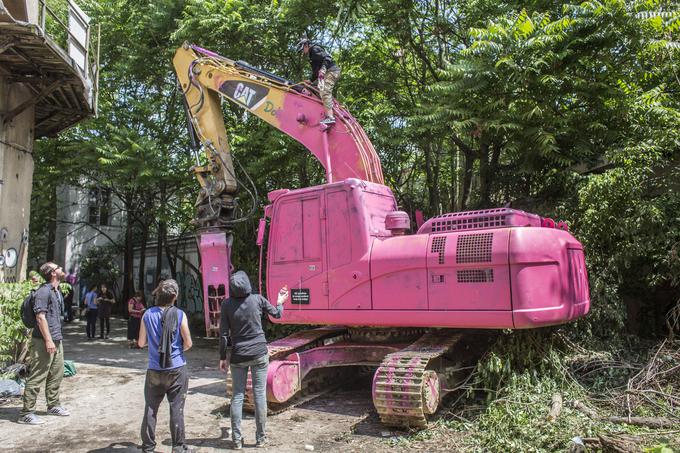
[{"x": 343, "y": 150}]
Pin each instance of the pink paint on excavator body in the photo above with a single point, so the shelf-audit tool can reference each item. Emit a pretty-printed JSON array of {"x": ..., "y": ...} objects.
[
  {"x": 215, "y": 268},
  {"x": 350, "y": 154},
  {"x": 482, "y": 269}
]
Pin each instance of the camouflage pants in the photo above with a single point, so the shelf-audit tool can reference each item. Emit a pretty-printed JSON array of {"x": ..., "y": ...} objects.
[{"x": 326, "y": 92}]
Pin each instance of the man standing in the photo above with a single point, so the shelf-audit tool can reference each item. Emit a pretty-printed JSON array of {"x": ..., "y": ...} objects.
[
  {"x": 324, "y": 72},
  {"x": 47, "y": 352},
  {"x": 166, "y": 330},
  {"x": 91, "y": 313},
  {"x": 242, "y": 346}
]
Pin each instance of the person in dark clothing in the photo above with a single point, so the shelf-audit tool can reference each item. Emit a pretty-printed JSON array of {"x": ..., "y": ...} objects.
[
  {"x": 47, "y": 352},
  {"x": 68, "y": 303},
  {"x": 166, "y": 329},
  {"x": 243, "y": 346},
  {"x": 135, "y": 310},
  {"x": 325, "y": 73},
  {"x": 92, "y": 311},
  {"x": 105, "y": 303}
]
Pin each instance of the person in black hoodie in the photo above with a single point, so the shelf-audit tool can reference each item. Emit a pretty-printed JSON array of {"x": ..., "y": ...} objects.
[
  {"x": 325, "y": 73},
  {"x": 243, "y": 346}
]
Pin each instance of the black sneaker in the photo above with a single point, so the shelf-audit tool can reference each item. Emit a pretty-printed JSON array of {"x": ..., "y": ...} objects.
[
  {"x": 238, "y": 445},
  {"x": 261, "y": 443}
]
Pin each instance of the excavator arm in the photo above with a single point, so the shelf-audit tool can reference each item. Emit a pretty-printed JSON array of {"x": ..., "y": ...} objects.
[{"x": 343, "y": 150}]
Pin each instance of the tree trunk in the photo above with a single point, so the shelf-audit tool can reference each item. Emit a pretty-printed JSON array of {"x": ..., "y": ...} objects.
[
  {"x": 432, "y": 177},
  {"x": 455, "y": 162},
  {"x": 52, "y": 227},
  {"x": 159, "y": 251},
  {"x": 128, "y": 257},
  {"x": 142, "y": 255},
  {"x": 467, "y": 179},
  {"x": 484, "y": 175},
  {"x": 172, "y": 261}
]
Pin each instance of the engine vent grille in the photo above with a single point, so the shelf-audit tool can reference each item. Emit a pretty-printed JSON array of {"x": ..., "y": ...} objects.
[
  {"x": 474, "y": 248},
  {"x": 470, "y": 220},
  {"x": 439, "y": 246},
  {"x": 475, "y": 276}
]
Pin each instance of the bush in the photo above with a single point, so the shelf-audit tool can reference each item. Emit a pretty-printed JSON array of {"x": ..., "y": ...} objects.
[
  {"x": 100, "y": 266},
  {"x": 12, "y": 330}
]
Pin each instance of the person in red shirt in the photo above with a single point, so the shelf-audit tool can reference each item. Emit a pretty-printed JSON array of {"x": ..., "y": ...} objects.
[{"x": 136, "y": 310}]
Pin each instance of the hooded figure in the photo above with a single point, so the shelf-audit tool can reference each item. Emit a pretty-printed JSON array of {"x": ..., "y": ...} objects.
[
  {"x": 241, "y": 333},
  {"x": 243, "y": 346}
]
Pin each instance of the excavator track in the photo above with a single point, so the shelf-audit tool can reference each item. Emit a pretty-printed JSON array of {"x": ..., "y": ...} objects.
[
  {"x": 314, "y": 387},
  {"x": 406, "y": 388}
]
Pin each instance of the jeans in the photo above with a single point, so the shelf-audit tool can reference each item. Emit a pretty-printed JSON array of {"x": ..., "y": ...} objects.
[
  {"x": 103, "y": 321},
  {"x": 46, "y": 369},
  {"x": 239, "y": 377},
  {"x": 173, "y": 384},
  {"x": 91, "y": 322}
]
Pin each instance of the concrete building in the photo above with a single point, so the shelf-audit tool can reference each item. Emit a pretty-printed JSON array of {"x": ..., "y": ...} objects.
[
  {"x": 186, "y": 258},
  {"x": 86, "y": 218},
  {"x": 48, "y": 82}
]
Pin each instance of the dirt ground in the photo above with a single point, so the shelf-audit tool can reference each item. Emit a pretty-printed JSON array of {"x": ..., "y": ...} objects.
[{"x": 106, "y": 402}]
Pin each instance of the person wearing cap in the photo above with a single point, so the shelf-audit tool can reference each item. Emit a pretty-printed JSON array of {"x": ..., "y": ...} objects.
[
  {"x": 325, "y": 73},
  {"x": 47, "y": 352},
  {"x": 166, "y": 330}
]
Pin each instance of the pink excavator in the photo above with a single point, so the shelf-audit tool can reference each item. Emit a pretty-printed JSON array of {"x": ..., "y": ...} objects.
[{"x": 396, "y": 302}]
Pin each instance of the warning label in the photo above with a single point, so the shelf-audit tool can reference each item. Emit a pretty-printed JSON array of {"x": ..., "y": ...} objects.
[{"x": 299, "y": 296}]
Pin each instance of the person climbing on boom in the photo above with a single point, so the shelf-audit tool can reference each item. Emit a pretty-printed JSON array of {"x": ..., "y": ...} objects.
[{"x": 325, "y": 73}]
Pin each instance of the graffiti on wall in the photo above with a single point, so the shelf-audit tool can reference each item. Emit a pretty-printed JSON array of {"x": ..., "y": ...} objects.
[
  {"x": 190, "y": 297},
  {"x": 191, "y": 293}
]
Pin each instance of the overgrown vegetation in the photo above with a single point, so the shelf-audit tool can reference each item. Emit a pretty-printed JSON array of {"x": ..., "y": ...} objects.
[
  {"x": 12, "y": 330},
  {"x": 99, "y": 266}
]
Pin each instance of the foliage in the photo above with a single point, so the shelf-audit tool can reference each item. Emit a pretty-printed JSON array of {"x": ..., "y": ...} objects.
[
  {"x": 99, "y": 266},
  {"x": 12, "y": 329}
]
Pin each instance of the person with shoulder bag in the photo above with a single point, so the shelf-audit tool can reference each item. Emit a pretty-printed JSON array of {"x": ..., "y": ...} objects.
[{"x": 165, "y": 329}]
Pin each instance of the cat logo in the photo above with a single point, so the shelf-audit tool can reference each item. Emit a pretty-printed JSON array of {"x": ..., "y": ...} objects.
[{"x": 248, "y": 94}]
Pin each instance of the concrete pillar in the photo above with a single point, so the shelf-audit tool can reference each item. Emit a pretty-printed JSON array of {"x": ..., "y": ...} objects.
[{"x": 16, "y": 179}]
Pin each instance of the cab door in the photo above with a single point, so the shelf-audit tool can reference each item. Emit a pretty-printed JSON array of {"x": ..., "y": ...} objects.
[{"x": 296, "y": 257}]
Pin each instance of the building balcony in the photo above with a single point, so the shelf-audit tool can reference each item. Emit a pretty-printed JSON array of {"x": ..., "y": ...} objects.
[{"x": 47, "y": 46}]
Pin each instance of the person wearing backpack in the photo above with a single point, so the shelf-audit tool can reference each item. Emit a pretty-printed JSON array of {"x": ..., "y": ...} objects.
[{"x": 47, "y": 353}]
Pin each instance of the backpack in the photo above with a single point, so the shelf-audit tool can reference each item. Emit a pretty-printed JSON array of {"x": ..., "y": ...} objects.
[{"x": 27, "y": 313}]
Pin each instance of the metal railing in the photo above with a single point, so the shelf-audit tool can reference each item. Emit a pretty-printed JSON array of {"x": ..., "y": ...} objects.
[{"x": 53, "y": 23}]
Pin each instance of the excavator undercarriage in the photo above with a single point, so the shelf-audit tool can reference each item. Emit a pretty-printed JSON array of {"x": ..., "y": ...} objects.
[{"x": 412, "y": 369}]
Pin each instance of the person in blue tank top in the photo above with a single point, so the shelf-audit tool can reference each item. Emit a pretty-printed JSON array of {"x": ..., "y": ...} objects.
[{"x": 166, "y": 330}]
